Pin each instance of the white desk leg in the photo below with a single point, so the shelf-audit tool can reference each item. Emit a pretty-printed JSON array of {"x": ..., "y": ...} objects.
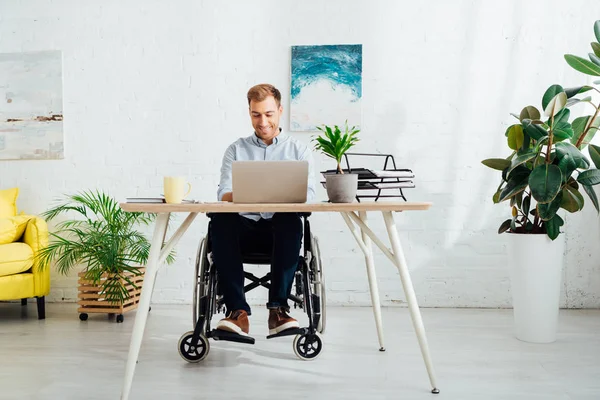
[
  {"x": 142, "y": 311},
  {"x": 410, "y": 295},
  {"x": 370, "y": 262}
]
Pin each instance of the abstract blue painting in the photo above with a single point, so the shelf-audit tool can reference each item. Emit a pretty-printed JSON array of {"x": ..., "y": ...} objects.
[{"x": 326, "y": 86}]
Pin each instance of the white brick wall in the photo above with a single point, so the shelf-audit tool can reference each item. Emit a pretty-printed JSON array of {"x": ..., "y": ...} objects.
[{"x": 154, "y": 88}]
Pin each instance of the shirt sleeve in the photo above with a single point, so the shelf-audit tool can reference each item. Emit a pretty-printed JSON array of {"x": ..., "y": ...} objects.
[
  {"x": 311, "y": 191},
  {"x": 225, "y": 181}
]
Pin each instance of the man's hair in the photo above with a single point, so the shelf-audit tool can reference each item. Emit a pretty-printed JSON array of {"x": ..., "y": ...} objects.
[{"x": 261, "y": 92}]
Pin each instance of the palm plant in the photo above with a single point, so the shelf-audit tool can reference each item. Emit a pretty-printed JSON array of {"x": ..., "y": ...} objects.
[
  {"x": 334, "y": 144},
  {"x": 105, "y": 241}
]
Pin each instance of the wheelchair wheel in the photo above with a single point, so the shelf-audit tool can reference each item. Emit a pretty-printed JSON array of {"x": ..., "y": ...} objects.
[
  {"x": 193, "y": 352},
  {"x": 319, "y": 284},
  {"x": 308, "y": 347},
  {"x": 199, "y": 279}
]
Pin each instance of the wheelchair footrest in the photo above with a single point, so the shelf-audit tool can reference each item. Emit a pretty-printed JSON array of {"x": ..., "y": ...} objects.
[
  {"x": 289, "y": 332},
  {"x": 218, "y": 334}
]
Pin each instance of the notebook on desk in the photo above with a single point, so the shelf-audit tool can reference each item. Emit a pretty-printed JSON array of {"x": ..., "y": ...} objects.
[{"x": 269, "y": 181}]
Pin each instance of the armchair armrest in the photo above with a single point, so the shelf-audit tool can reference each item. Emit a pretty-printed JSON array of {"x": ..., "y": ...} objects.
[{"x": 36, "y": 236}]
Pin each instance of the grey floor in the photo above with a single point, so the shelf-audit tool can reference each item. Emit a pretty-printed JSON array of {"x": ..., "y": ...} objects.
[{"x": 474, "y": 353}]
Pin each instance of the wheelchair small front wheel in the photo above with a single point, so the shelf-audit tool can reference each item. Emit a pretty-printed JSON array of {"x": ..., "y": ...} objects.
[
  {"x": 308, "y": 347},
  {"x": 193, "y": 352}
]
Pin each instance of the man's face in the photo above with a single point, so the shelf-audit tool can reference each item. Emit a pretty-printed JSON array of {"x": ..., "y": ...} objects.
[{"x": 265, "y": 118}]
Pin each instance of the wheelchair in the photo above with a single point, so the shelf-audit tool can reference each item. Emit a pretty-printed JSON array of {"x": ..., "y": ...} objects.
[{"x": 308, "y": 293}]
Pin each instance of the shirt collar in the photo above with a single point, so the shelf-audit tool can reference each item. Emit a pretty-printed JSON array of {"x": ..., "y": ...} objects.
[{"x": 276, "y": 140}]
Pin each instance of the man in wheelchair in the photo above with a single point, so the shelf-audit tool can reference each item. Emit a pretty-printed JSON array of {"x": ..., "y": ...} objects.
[{"x": 233, "y": 235}]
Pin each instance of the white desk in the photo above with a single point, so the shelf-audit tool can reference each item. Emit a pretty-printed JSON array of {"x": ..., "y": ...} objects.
[{"x": 355, "y": 216}]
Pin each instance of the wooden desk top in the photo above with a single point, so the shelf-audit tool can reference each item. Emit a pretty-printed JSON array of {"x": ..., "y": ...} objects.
[{"x": 225, "y": 207}]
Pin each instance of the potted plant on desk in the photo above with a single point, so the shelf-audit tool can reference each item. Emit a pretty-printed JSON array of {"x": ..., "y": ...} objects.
[
  {"x": 546, "y": 173},
  {"x": 105, "y": 240},
  {"x": 341, "y": 188}
]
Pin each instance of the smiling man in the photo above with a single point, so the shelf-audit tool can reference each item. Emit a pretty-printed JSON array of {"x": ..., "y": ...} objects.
[{"x": 233, "y": 234}]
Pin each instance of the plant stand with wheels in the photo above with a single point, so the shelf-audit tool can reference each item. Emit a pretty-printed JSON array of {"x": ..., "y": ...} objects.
[{"x": 92, "y": 300}]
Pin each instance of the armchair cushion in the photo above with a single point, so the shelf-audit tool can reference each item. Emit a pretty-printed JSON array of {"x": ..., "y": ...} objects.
[
  {"x": 12, "y": 228},
  {"x": 8, "y": 202},
  {"x": 15, "y": 258}
]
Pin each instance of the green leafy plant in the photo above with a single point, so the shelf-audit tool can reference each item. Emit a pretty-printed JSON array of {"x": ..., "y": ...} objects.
[
  {"x": 546, "y": 170},
  {"x": 104, "y": 239},
  {"x": 333, "y": 143}
]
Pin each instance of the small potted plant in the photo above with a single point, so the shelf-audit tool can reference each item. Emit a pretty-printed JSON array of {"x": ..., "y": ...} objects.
[
  {"x": 543, "y": 177},
  {"x": 104, "y": 239},
  {"x": 341, "y": 188}
]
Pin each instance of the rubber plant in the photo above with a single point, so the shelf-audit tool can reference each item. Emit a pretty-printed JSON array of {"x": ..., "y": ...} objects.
[{"x": 547, "y": 169}]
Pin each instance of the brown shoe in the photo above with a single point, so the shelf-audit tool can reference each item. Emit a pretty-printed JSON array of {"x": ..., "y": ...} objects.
[
  {"x": 236, "y": 322},
  {"x": 279, "y": 320}
]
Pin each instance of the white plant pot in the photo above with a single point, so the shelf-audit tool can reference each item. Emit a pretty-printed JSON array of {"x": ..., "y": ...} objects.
[{"x": 535, "y": 274}]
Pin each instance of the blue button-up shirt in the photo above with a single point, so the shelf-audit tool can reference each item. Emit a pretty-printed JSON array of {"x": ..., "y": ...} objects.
[{"x": 252, "y": 148}]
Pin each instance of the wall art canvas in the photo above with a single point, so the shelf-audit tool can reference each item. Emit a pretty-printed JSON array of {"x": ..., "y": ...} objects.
[
  {"x": 326, "y": 86},
  {"x": 31, "y": 106}
]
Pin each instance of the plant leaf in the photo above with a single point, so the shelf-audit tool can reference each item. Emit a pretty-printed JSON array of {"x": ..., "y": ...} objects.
[
  {"x": 592, "y": 195},
  {"x": 572, "y": 200},
  {"x": 505, "y": 226},
  {"x": 577, "y": 90},
  {"x": 516, "y": 184},
  {"x": 535, "y": 131},
  {"x": 496, "y": 163},
  {"x": 526, "y": 204},
  {"x": 594, "y": 58},
  {"x": 529, "y": 112},
  {"x": 582, "y": 65},
  {"x": 596, "y": 48},
  {"x": 597, "y": 30},
  {"x": 515, "y": 136},
  {"x": 578, "y": 126},
  {"x": 545, "y": 181},
  {"x": 595, "y": 154},
  {"x": 553, "y": 226},
  {"x": 550, "y": 94},
  {"x": 523, "y": 158},
  {"x": 547, "y": 211},
  {"x": 562, "y": 131},
  {"x": 555, "y": 105},
  {"x": 590, "y": 177},
  {"x": 561, "y": 117}
]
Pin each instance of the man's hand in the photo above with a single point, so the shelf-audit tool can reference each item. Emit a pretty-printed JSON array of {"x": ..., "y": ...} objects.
[{"x": 227, "y": 197}]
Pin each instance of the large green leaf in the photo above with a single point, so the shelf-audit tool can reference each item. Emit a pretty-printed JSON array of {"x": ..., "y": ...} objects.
[
  {"x": 496, "y": 163},
  {"x": 582, "y": 65},
  {"x": 595, "y": 154},
  {"x": 550, "y": 94},
  {"x": 523, "y": 158},
  {"x": 594, "y": 58},
  {"x": 529, "y": 112},
  {"x": 572, "y": 200},
  {"x": 545, "y": 181},
  {"x": 590, "y": 177},
  {"x": 561, "y": 117},
  {"x": 555, "y": 105},
  {"x": 515, "y": 136},
  {"x": 505, "y": 226},
  {"x": 547, "y": 211},
  {"x": 597, "y": 30},
  {"x": 516, "y": 183},
  {"x": 553, "y": 226},
  {"x": 562, "y": 131},
  {"x": 565, "y": 148},
  {"x": 596, "y": 48},
  {"x": 578, "y": 126},
  {"x": 592, "y": 195},
  {"x": 535, "y": 131},
  {"x": 577, "y": 90}
]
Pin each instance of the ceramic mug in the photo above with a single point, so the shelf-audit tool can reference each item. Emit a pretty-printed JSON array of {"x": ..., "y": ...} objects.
[{"x": 174, "y": 187}]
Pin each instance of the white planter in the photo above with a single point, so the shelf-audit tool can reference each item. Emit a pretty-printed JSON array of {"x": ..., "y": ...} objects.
[{"x": 535, "y": 274}]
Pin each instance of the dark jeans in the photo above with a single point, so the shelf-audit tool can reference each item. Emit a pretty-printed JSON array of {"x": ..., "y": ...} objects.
[{"x": 233, "y": 235}]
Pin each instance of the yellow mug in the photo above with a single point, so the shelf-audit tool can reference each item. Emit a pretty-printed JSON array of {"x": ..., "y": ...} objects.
[{"x": 174, "y": 187}]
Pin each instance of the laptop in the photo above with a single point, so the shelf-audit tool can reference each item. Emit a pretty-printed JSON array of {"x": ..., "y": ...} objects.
[{"x": 269, "y": 181}]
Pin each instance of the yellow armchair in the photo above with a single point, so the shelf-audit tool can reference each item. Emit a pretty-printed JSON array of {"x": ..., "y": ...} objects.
[{"x": 21, "y": 275}]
